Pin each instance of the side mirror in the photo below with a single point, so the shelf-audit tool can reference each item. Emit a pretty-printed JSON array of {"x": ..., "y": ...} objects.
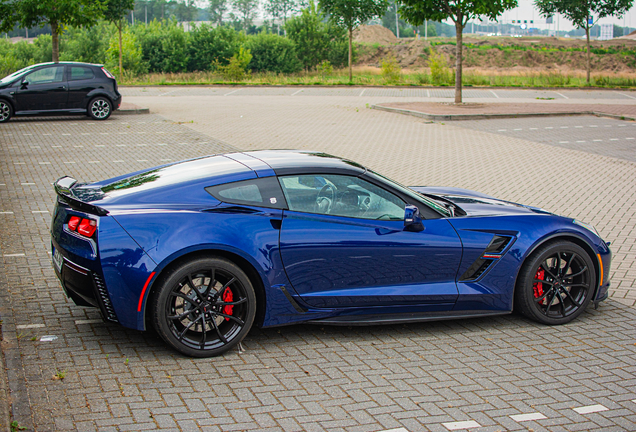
[
  {"x": 24, "y": 84},
  {"x": 412, "y": 219}
]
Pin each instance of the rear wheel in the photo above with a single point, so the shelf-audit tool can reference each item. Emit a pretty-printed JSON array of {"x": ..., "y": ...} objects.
[
  {"x": 204, "y": 307},
  {"x": 100, "y": 108},
  {"x": 556, "y": 283},
  {"x": 6, "y": 111}
]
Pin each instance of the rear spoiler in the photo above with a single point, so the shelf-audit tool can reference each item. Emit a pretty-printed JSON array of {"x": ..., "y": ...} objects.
[{"x": 63, "y": 187}]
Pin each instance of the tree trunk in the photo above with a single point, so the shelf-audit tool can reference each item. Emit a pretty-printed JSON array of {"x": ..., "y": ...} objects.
[
  {"x": 589, "y": 64},
  {"x": 459, "y": 28},
  {"x": 350, "y": 53},
  {"x": 121, "y": 66},
  {"x": 55, "y": 42}
]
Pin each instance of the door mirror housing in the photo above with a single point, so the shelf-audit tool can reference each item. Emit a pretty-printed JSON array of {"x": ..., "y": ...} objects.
[
  {"x": 24, "y": 84},
  {"x": 412, "y": 219}
]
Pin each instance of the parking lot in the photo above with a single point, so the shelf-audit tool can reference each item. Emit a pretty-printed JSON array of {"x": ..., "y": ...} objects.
[{"x": 490, "y": 374}]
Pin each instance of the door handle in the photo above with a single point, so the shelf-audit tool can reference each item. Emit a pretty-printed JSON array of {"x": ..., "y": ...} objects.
[{"x": 63, "y": 87}]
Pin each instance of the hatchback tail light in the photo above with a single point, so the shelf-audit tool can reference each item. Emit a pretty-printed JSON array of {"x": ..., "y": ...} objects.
[
  {"x": 83, "y": 226},
  {"x": 108, "y": 74}
]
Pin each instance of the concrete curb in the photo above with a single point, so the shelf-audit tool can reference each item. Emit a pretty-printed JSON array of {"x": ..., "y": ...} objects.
[
  {"x": 131, "y": 111},
  {"x": 483, "y": 116}
]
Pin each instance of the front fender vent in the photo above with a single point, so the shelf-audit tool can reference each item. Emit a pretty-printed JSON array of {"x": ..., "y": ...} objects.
[
  {"x": 491, "y": 254},
  {"x": 104, "y": 299}
]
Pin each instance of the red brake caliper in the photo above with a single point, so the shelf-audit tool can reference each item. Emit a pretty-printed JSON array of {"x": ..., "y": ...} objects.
[
  {"x": 228, "y": 297},
  {"x": 537, "y": 287}
]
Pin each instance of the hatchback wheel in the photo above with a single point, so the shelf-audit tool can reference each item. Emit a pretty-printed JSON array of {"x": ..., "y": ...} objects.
[
  {"x": 556, "y": 283},
  {"x": 5, "y": 111},
  {"x": 204, "y": 307},
  {"x": 99, "y": 108}
]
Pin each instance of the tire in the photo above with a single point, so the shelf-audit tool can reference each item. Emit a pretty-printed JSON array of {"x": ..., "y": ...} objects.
[
  {"x": 6, "y": 111},
  {"x": 556, "y": 283},
  {"x": 204, "y": 308},
  {"x": 100, "y": 108}
]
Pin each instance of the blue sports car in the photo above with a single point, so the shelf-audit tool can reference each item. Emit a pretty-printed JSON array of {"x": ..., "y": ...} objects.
[{"x": 203, "y": 249}]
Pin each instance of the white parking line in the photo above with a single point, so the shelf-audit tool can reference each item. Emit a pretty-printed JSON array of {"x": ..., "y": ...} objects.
[
  {"x": 6, "y": 212},
  {"x": 118, "y": 161},
  {"x": 296, "y": 92},
  {"x": 533, "y": 128},
  {"x": 590, "y": 409},
  {"x": 580, "y": 141},
  {"x": 39, "y": 211},
  {"x": 100, "y": 145},
  {"x": 564, "y": 96},
  {"x": 120, "y": 145},
  {"x": 66, "y": 134},
  {"x": 597, "y": 140},
  {"x": 502, "y": 130},
  {"x": 564, "y": 127},
  {"x": 527, "y": 417},
  {"x": 563, "y": 142},
  {"x": 518, "y": 129},
  {"x": 46, "y": 134},
  {"x": 13, "y": 255},
  {"x": 613, "y": 139},
  {"x": 19, "y": 163},
  {"x": 29, "y": 326},
  {"x": 428, "y": 93},
  {"x": 227, "y": 94},
  {"x": 494, "y": 94},
  {"x": 89, "y": 321},
  {"x": 362, "y": 92},
  {"x": 142, "y": 160},
  {"x": 94, "y": 162},
  {"x": 593, "y": 126},
  {"x": 630, "y": 138},
  {"x": 69, "y": 162},
  {"x": 578, "y": 127},
  {"x": 27, "y": 184},
  {"x": 44, "y": 163},
  {"x": 626, "y": 95},
  {"x": 56, "y": 146},
  {"x": 549, "y": 127},
  {"x": 461, "y": 425},
  {"x": 396, "y": 430},
  {"x": 80, "y": 146}
]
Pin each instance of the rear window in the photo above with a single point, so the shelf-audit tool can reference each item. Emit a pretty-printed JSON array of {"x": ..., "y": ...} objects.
[
  {"x": 81, "y": 73},
  {"x": 260, "y": 192}
]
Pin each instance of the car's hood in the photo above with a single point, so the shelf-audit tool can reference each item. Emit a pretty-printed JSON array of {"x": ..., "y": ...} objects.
[{"x": 476, "y": 203}]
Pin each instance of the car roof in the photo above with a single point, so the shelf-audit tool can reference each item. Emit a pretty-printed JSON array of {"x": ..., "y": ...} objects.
[
  {"x": 285, "y": 162},
  {"x": 66, "y": 63}
]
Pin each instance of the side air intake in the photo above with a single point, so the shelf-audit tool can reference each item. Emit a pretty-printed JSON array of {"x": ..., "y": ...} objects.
[{"x": 492, "y": 253}]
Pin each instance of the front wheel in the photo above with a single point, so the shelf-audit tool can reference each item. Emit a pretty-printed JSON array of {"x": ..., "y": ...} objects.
[
  {"x": 6, "y": 111},
  {"x": 100, "y": 108},
  {"x": 204, "y": 307},
  {"x": 556, "y": 283}
]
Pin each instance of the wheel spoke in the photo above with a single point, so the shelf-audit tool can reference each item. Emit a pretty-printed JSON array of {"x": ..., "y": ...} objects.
[
  {"x": 185, "y": 297},
  {"x": 547, "y": 310},
  {"x": 211, "y": 284},
  {"x": 204, "y": 338},
  {"x": 568, "y": 265},
  {"x": 222, "y": 290},
  {"x": 188, "y": 327},
  {"x": 561, "y": 303},
  {"x": 546, "y": 267},
  {"x": 238, "y": 302},
  {"x": 183, "y": 315},
  {"x": 542, "y": 281},
  {"x": 196, "y": 290},
  {"x": 577, "y": 304},
  {"x": 558, "y": 263},
  {"x": 579, "y": 273},
  {"x": 540, "y": 299},
  {"x": 218, "y": 331},
  {"x": 233, "y": 318}
]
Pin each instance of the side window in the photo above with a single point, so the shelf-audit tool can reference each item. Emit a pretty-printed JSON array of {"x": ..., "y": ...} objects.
[
  {"x": 81, "y": 73},
  {"x": 341, "y": 195},
  {"x": 47, "y": 75},
  {"x": 261, "y": 192}
]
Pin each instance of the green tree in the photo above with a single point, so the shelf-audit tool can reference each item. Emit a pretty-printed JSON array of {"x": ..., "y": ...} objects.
[
  {"x": 273, "y": 53},
  {"x": 578, "y": 11},
  {"x": 115, "y": 12},
  {"x": 59, "y": 14},
  {"x": 460, "y": 12},
  {"x": 350, "y": 14},
  {"x": 217, "y": 9},
  {"x": 208, "y": 44},
  {"x": 245, "y": 11}
]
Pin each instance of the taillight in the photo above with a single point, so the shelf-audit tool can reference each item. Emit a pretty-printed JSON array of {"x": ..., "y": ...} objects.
[
  {"x": 73, "y": 223},
  {"x": 85, "y": 227},
  {"x": 108, "y": 74}
]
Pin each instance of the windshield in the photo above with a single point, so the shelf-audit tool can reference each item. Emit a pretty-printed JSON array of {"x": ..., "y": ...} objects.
[
  {"x": 416, "y": 196},
  {"x": 14, "y": 75}
]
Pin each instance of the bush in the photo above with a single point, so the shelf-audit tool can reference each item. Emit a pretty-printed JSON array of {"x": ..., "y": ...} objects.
[
  {"x": 324, "y": 68},
  {"x": 164, "y": 46},
  {"x": 272, "y": 53},
  {"x": 236, "y": 70},
  {"x": 131, "y": 60},
  {"x": 391, "y": 70},
  {"x": 87, "y": 45},
  {"x": 440, "y": 74},
  {"x": 208, "y": 44}
]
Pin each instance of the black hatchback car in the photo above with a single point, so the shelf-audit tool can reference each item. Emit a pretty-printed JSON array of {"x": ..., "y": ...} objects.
[{"x": 59, "y": 88}]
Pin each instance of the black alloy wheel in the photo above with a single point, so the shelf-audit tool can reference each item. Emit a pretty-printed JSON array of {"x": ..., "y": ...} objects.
[
  {"x": 100, "y": 108},
  {"x": 556, "y": 283},
  {"x": 204, "y": 307},
  {"x": 6, "y": 111}
]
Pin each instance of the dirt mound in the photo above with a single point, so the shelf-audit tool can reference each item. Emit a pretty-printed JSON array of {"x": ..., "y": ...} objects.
[
  {"x": 374, "y": 34},
  {"x": 632, "y": 36}
]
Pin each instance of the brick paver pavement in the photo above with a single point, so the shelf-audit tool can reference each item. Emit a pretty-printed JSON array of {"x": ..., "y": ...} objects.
[{"x": 418, "y": 376}]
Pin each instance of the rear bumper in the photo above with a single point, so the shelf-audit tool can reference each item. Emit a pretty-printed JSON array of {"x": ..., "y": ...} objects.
[{"x": 84, "y": 286}]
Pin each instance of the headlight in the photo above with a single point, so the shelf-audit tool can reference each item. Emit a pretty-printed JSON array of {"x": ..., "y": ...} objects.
[{"x": 587, "y": 227}]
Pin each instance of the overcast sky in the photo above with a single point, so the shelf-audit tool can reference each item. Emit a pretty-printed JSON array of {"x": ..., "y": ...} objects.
[{"x": 527, "y": 11}]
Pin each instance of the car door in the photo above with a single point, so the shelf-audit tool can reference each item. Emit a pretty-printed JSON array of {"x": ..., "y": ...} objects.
[
  {"x": 343, "y": 244},
  {"x": 81, "y": 81},
  {"x": 43, "y": 89}
]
